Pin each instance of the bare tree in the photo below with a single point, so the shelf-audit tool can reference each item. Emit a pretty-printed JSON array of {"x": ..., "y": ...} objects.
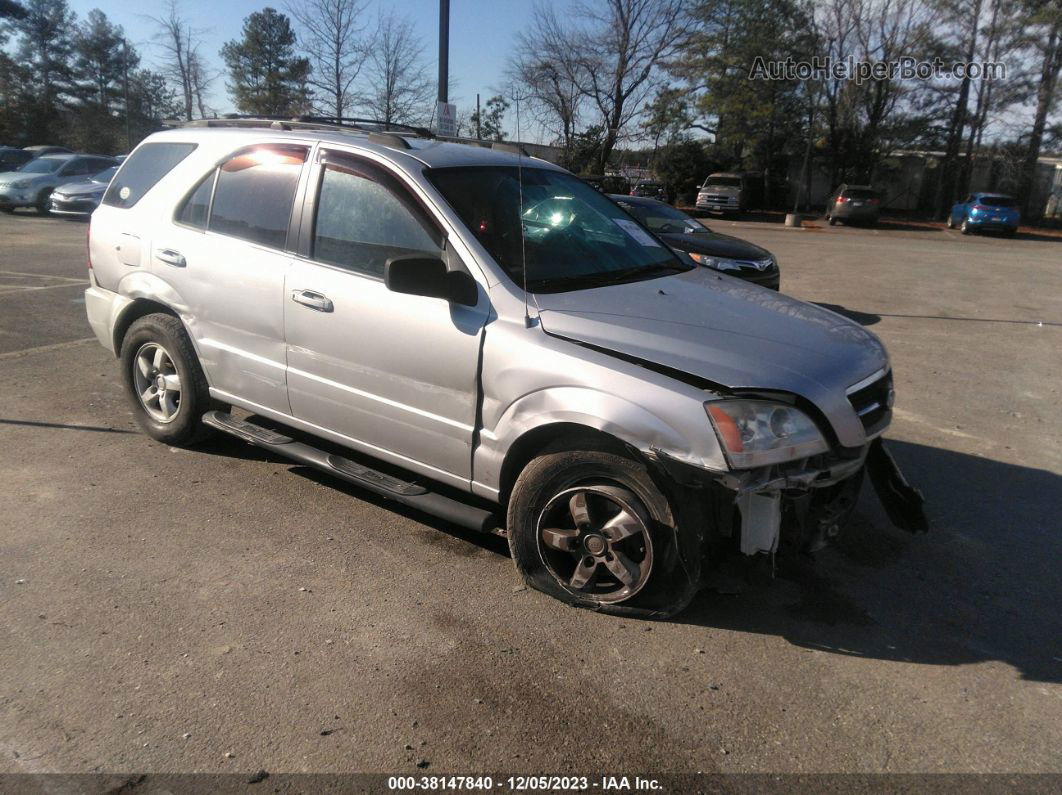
[
  {"x": 333, "y": 34},
  {"x": 400, "y": 89},
  {"x": 179, "y": 43},
  {"x": 618, "y": 46},
  {"x": 548, "y": 69}
]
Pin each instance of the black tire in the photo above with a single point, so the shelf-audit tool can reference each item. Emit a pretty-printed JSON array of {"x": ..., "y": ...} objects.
[
  {"x": 831, "y": 220},
  {"x": 673, "y": 528},
  {"x": 950, "y": 222},
  {"x": 42, "y": 202},
  {"x": 185, "y": 426},
  {"x": 965, "y": 227}
]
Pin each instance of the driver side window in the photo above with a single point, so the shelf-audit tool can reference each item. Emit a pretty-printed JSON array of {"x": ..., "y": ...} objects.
[{"x": 361, "y": 222}]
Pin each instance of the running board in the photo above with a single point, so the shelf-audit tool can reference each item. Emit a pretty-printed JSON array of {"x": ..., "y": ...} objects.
[{"x": 412, "y": 494}]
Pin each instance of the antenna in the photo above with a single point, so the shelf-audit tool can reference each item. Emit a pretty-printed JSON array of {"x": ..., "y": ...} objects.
[{"x": 520, "y": 180}]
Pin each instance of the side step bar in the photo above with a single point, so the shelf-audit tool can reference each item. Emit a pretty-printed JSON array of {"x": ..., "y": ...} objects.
[{"x": 412, "y": 494}]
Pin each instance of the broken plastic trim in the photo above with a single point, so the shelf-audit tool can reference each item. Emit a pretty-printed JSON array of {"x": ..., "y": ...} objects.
[{"x": 903, "y": 503}]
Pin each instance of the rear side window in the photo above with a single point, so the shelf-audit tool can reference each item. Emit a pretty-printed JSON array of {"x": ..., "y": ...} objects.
[
  {"x": 362, "y": 221},
  {"x": 860, "y": 193},
  {"x": 254, "y": 194},
  {"x": 195, "y": 208},
  {"x": 142, "y": 169},
  {"x": 998, "y": 201}
]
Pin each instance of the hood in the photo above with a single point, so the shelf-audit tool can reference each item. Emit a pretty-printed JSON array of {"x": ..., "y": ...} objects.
[
  {"x": 82, "y": 188},
  {"x": 716, "y": 245},
  {"x": 8, "y": 177},
  {"x": 726, "y": 331}
]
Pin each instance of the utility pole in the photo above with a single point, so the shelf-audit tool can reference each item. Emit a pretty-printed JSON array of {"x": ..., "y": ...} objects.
[
  {"x": 479, "y": 135},
  {"x": 125, "y": 81},
  {"x": 444, "y": 49}
]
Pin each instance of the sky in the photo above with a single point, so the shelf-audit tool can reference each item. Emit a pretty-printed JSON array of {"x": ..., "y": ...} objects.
[{"x": 482, "y": 35}]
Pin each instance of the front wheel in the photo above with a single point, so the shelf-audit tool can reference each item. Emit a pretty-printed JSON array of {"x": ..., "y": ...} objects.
[
  {"x": 589, "y": 525},
  {"x": 42, "y": 203},
  {"x": 164, "y": 381},
  {"x": 950, "y": 222}
]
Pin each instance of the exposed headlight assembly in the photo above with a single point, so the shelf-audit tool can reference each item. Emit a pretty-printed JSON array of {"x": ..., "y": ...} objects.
[{"x": 757, "y": 433}]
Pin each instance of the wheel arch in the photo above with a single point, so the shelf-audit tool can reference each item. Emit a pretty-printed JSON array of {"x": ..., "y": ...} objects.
[
  {"x": 530, "y": 444},
  {"x": 140, "y": 307}
]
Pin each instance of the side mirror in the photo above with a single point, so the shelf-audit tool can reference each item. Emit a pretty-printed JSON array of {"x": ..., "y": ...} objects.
[{"x": 428, "y": 276}]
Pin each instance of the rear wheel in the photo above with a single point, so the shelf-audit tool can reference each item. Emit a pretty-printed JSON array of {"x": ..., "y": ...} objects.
[
  {"x": 589, "y": 525},
  {"x": 965, "y": 228},
  {"x": 831, "y": 220},
  {"x": 164, "y": 381}
]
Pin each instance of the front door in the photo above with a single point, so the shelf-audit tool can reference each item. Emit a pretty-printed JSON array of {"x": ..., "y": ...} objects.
[{"x": 394, "y": 373}]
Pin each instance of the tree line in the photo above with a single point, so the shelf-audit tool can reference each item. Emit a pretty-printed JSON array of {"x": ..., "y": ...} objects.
[{"x": 665, "y": 83}]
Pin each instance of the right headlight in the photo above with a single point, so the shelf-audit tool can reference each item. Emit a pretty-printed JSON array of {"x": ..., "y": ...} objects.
[
  {"x": 757, "y": 433},
  {"x": 719, "y": 263}
]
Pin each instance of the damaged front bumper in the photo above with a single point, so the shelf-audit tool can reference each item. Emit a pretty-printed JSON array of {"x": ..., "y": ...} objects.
[{"x": 806, "y": 503}]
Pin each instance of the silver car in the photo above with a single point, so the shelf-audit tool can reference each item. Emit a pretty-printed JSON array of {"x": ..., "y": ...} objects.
[
  {"x": 32, "y": 184},
  {"x": 80, "y": 198},
  {"x": 481, "y": 335}
]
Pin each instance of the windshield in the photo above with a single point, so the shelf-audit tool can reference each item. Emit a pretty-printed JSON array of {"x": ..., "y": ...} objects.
[
  {"x": 42, "y": 166},
  {"x": 664, "y": 220},
  {"x": 723, "y": 182},
  {"x": 572, "y": 236},
  {"x": 998, "y": 201},
  {"x": 105, "y": 175}
]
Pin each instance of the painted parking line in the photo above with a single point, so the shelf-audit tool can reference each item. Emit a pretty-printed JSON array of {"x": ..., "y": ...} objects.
[{"x": 10, "y": 289}]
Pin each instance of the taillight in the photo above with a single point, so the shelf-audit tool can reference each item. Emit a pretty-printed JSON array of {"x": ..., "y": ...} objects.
[
  {"x": 980, "y": 208},
  {"x": 88, "y": 244},
  {"x": 843, "y": 199}
]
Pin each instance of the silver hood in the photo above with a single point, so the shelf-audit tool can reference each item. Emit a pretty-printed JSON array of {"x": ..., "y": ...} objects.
[{"x": 726, "y": 331}]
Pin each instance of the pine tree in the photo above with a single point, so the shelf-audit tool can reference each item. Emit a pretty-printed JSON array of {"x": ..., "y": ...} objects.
[{"x": 267, "y": 77}]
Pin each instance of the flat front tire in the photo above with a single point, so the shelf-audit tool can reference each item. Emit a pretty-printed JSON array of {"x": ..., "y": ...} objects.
[
  {"x": 164, "y": 381},
  {"x": 589, "y": 525}
]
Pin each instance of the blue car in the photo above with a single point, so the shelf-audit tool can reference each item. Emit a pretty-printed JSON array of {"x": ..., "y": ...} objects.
[{"x": 986, "y": 211}]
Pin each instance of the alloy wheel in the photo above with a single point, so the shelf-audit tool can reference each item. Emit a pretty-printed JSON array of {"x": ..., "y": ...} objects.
[
  {"x": 595, "y": 541},
  {"x": 157, "y": 383}
]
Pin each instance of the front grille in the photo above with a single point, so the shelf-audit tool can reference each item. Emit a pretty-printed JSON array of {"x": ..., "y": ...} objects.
[
  {"x": 873, "y": 403},
  {"x": 73, "y": 205}
]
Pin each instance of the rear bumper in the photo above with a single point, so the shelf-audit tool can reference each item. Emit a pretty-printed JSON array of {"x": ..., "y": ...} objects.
[
  {"x": 103, "y": 308},
  {"x": 1003, "y": 225}
]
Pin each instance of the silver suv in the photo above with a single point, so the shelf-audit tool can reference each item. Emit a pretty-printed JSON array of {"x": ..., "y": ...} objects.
[
  {"x": 480, "y": 335},
  {"x": 31, "y": 185}
]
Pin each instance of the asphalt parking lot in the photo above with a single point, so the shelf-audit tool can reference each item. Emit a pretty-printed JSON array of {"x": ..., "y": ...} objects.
[{"x": 221, "y": 610}]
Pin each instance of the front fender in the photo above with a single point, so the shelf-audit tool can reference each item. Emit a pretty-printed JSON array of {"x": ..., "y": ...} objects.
[{"x": 613, "y": 414}]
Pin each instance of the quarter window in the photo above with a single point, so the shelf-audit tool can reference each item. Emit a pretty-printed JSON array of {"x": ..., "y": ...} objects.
[
  {"x": 142, "y": 169},
  {"x": 255, "y": 192},
  {"x": 195, "y": 208},
  {"x": 362, "y": 222}
]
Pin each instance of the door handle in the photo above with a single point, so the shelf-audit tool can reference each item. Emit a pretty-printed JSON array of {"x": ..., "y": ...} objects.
[
  {"x": 171, "y": 257},
  {"x": 313, "y": 300}
]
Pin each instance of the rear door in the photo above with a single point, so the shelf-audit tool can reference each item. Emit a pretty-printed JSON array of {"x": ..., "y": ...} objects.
[
  {"x": 395, "y": 373},
  {"x": 225, "y": 253}
]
